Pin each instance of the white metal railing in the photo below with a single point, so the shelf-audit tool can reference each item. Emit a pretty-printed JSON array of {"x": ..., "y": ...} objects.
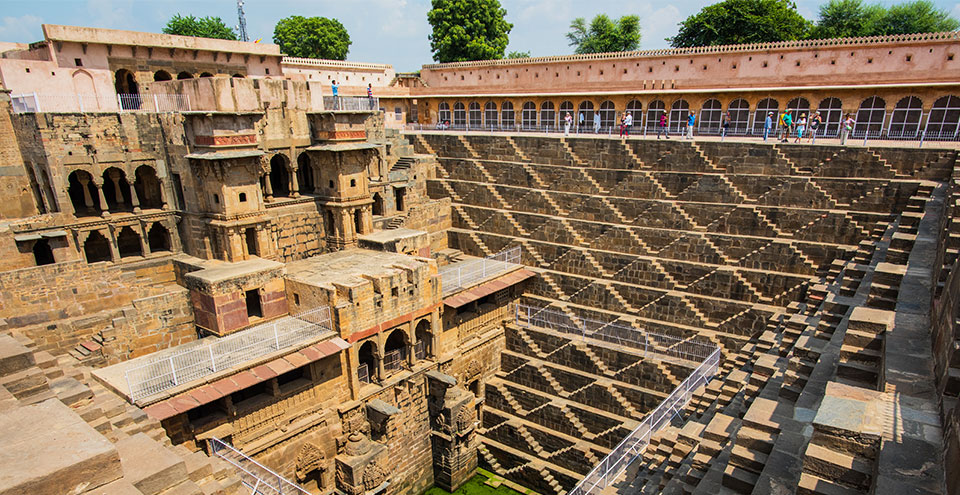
[
  {"x": 352, "y": 103},
  {"x": 458, "y": 275},
  {"x": 649, "y": 344},
  {"x": 255, "y": 476},
  {"x": 46, "y": 103},
  {"x": 196, "y": 361},
  {"x": 634, "y": 444}
]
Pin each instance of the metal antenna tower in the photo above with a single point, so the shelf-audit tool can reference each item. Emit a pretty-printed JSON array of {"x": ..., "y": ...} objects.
[{"x": 243, "y": 22}]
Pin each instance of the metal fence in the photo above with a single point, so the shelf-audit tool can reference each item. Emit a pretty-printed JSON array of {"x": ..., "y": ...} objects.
[
  {"x": 631, "y": 447},
  {"x": 255, "y": 476},
  {"x": 351, "y": 103},
  {"x": 171, "y": 370},
  {"x": 458, "y": 275},
  {"x": 363, "y": 373},
  {"x": 37, "y": 103},
  {"x": 393, "y": 360},
  {"x": 659, "y": 346}
]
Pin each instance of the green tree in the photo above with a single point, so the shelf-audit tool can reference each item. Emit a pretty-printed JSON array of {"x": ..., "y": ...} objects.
[
  {"x": 920, "y": 16},
  {"x": 847, "y": 19},
  {"x": 605, "y": 35},
  {"x": 742, "y": 21},
  {"x": 201, "y": 27},
  {"x": 312, "y": 37},
  {"x": 515, "y": 54},
  {"x": 466, "y": 30}
]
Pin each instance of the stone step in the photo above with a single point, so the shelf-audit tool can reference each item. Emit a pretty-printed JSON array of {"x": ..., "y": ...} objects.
[
  {"x": 149, "y": 466},
  {"x": 14, "y": 356},
  {"x": 748, "y": 459},
  {"x": 739, "y": 480},
  {"x": 811, "y": 484},
  {"x": 837, "y": 467}
]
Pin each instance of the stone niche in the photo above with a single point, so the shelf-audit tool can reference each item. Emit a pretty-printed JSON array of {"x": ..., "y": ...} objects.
[
  {"x": 227, "y": 297},
  {"x": 360, "y": 467},
  {"x": 328, "y": 126},
  {"x": 453, "y": 419}
]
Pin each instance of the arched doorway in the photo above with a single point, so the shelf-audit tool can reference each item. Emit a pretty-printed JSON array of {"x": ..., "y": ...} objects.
[
  {"x": 739, "y": 111},
  {"x": 395, "y": 351},
  {"x": 944, "y": 119},
  {"x": 367, "y": 369},
  {"x": 377, "y": 205},
  {"x": 490, "y": 118},
  {"x": 42, "y": 254},
  {"x": 305, "y": 173},
  {"x": 798, "y": 107},
  {"x": 206, "y": 74},
  {"x": 158, "y": 238},
  {"x": 710, "y": 115},
  {"x": 116, "y": 189},
  {"x": 608, "y": 116},
  {"x": 127, "y": 88},
  {"x": 358, "y": 221},
  {"x": 184, "y": 75},
  {"x": 635, "y": 108},
  {"x": 96, "y": 248},
  {"x": 83, "y": 193},
  {"x": 905, "y": 121},
  {"x": 548, "y": 116},
  {"x": 507, "y": 118},
  {"x": 128, "y": 243},
  {"x": 765, "y": 106},
  {"x": 162, "y": 75},
  {"x": 459, "y": 115},
  {"x": 678, "y": 115},
  {"x": 475, "y": 116},
  {"x": 424, "y": 345},
  {"x": 870, "y": 117},
  {"x": 147, "y": 186},
  {"x": 655, "y": 109},
  {"x": 831, "y": 112},
  {"x": 528, "y": 116},
  {"x": 584, "y": 117},
  {"x": 443, "y": 113},
  {"x": 279, "y": 176}
]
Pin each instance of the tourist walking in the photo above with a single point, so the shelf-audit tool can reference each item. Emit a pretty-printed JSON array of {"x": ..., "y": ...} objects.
[
  {"x": 627, "y": 123},
  {"x": 815, "y": 122},
  {"x": 691, "y": 120},
  {"x": 567, "y": 122},
  {"x": 579, "y": 122},
  {"x": 767, "y": 125},
  {"x": 336, "y": 94},
  {"x": 787, "y": 125},
  {"x": 623, "y": 124},
  {"x": 662, "y": 127},
  {"x": 724, "y": 125},
  {"x": 801, "y": 126},
  {"x": 596, "y": 122},
  {"x": 846, "y": 129}
]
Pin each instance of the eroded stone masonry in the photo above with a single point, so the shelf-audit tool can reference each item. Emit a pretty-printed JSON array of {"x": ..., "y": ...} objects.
[{"x": 274, "y": 291}]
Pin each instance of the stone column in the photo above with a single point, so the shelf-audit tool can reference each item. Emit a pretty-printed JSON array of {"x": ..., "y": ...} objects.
[
  {"x": 87, "y": 198},
  {"x": 144, "y": 245},
  {"x": 294, "y": 184},
  {"x": 103, "y": 200},
  {"x": 115, "y": 177},
  {"x": 268, "y": 187},
  {"x": 412, "y": 347},
  {"x": 163, "y": 196},
  {"x": 381, "y": 373},
  {"x": 317, "y": 187},
  {"x": 114, "y": 252},
  {"x": 134, "y": 200}
]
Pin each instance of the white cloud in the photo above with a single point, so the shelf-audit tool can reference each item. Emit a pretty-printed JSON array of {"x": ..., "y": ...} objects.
[{"x": 23, "y": 29}]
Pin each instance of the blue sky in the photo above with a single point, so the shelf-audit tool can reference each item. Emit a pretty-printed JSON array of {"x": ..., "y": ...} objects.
[{"x": 384, "y": 31}]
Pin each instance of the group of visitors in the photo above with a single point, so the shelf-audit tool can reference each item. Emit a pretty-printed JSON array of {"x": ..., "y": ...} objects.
[{"x": 786, "y": 126}]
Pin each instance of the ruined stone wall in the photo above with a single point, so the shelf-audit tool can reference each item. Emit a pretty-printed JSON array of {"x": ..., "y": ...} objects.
[
  {"x": 21, "y": 197},
  {"x": 298, "y": 231}
]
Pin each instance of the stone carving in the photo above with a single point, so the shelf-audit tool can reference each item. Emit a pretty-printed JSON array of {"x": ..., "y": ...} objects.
[
  {"x": 465, "y": 418},
  {"x": 473, "y": 369},
  {"x": 373, "y": 476},
  {"x": 310, "y": 458}
]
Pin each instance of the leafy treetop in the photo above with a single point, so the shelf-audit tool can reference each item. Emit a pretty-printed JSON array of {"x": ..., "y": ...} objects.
[
  {"x": 465, "y": 30},
  {"x": 312, "y": 37},
  {"x": 201, "y": 27},
  {"x": 742, "y": 21},
  {"x": 605, "y": 35},
  {"x": 516, "y": 54}
]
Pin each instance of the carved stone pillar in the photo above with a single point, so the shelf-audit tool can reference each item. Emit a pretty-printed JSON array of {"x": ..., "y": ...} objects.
[
  {"x": 87, "y": 198},
  {"x": 134, "y": 200},
  {"x": 115, "y": 177},
  {"x": 294, "y": 184},
  {"x": 268, "y": 187},
  {"x": 103, "y": 200}
]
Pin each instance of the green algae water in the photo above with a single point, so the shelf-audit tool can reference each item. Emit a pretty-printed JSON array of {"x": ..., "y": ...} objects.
[{"x": 477, "y": 486}]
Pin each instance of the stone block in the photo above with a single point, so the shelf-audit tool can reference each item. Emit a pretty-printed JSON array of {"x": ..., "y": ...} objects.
[
  {"x": 148, "y": 465},
  {"x": 14, "y": 356},
  {"x": 70, "y": 391},
  {"x": 48, "y": 448}
]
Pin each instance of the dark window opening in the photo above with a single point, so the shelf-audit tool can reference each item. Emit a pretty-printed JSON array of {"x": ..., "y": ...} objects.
[
  {"x": 97, "y": 248},
  {"x": 253, "y": 304},
  {"x": 250, "y": 236},
  {"x": 293, "y": 379},
  {"x": 158, "y": 238},
  {"x": 358, "y": 221},
  {"x": 243, "y": 197},
  {"x": 42, "y": 253},
  {"x": 78, "y": 62},
  {"x": 259, "y": 391},
  {"x": 128, "y": 243},
  {"x": 353, "y": 182},
  {"x": 399, "y": 193},
  {"x": 207, "y": 413},
  {"x": 377, "y": 204}
]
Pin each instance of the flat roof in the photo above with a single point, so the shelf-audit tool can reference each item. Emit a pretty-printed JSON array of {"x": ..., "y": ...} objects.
[
  {"x": 225, "y": 155},
  {"x": 219, "y": 272},
  {"x": 349, "y": 267},
  {"x": 388, "y": 235},
  {"x": 79, "y": 34},
  {"x": 359, "y": 145}
]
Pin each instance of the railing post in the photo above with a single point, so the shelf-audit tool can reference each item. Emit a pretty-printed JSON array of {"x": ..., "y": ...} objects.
[
  {"x": 276, "y": 337},
  {"x": 119, "y": 103},
  {"x": 923, "y": 134},
  {"x": 156, "y": 103},
  {"x": 213, "y": 363},
  {"x": 173, "y": 371},
  {"x": 188, "y": 101},
  {"x": 36, "y": 101}
]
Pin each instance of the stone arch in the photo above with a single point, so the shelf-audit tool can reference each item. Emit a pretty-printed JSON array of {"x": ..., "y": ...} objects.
[
  {"x": 239, "y": 76},
  {"x": 42, "y": 253},
  {"x": 310, "y": 464},
  {"x": 83, "y": 193},
  {"x": 635, "y": 107},
  {"x": 377, "y": 204},
  {"x": 128, "y": 242},
  {"x": 147, "y": 186},
  {"x": 162, "y": 75},
  {"x": 679, "y": 111},
  {"x": 367, "y": 359},
  {"x": 280, "y": 175},
  {"x": 507, "y": 117},
  {"x": 125, "y": 83},
  {"x": 459, "y": 114},
  {"x": 870, "y": 116},
  {"x": 528, "y": 116},
  {"x": 424, "y": 336},
  {"x": 443, "y": 112},
  {"x": 116, "y": 189},
  {"x": 585, "y": 108},
  {"x": 739, "y": 110},
  {"x": 305, "y": 173},
  {"x": 565, "y": 107},
  {"x": 797, "y": 107},
  {"x": 831, "y": 111},
  {"x": 944, "y": 119},
  {"x": 608, "y": 115},
  {"x": 655, "y": 109},
  {"x": 206, "y": 74},
  {"x": 491, "y": 118},
  {"x": 710, "y": 115},
  {"x": 474, "y": 115},
  {"x": 395, "y": 350},
  {"x": 85, "y": 89},
  {"x": 548, "y": 115},
  {"x": 96, "y": 248},
  {"x": 158, "y": 238},
  {"x": 184, "y": 75},
  {"x": 759, "y": 116},
  {"x": 905, "y": 121}
]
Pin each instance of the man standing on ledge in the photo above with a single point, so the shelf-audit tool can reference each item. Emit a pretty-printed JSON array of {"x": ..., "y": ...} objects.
[
  {"x": 567, "y": 122},
  {"x": 691, "y": 120},
  {"x": 336, "y": 98},
  {"x": 767, "y": 125},
  {"x": 596, "y": 122}
]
